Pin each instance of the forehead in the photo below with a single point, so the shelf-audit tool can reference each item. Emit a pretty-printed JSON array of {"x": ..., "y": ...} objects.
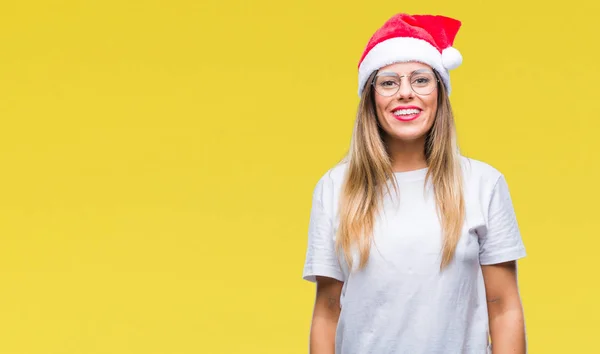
[{"x": 405, "y": 68}]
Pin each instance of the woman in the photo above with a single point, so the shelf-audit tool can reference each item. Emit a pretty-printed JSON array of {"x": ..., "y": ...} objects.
[{"x": 413, "y": 246}]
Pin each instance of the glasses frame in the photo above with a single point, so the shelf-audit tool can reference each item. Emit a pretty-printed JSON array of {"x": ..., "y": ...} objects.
[{"x": 391, "y": 73}]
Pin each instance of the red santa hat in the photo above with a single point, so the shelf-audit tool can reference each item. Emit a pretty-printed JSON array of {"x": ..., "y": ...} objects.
[{"x": 424, "y": 38}]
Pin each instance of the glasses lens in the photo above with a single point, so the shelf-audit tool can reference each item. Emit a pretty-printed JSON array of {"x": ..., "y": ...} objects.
[
  {"x": 423, "y": 83},
  {"x": 387, "y": 85}
]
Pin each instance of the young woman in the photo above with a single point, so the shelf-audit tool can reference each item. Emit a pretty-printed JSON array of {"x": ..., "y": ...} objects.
[{"x": 413, "y": 246}]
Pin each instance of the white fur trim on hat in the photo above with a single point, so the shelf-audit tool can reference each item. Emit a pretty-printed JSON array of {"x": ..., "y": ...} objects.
[{"x": 401, "y": 49}]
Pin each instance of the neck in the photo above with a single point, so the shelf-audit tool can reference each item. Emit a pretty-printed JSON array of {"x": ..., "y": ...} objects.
[{"x": 407, "y": 155}]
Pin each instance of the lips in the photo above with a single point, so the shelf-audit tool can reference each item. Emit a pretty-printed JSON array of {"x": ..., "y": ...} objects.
[{"x": 406, "y": 113}]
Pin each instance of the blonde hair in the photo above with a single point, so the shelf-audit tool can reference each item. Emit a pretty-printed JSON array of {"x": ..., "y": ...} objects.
[{"x": 370, "y": 167}]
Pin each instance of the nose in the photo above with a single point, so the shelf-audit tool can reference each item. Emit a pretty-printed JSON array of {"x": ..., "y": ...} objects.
[{"x": 405, "y": 91}]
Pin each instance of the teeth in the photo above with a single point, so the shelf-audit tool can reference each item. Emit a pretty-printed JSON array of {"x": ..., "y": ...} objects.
[{"x": 404, "y": 112}]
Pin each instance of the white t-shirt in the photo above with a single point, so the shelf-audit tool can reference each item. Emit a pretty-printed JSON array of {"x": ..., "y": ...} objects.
[{"x": 401, "y": 303}]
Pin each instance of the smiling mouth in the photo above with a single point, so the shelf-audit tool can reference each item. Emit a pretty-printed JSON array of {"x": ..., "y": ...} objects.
[{"x": 407, "y": 114}]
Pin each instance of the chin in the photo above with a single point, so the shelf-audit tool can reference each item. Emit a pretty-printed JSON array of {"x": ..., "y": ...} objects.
[{"x": 407, "y": 136}]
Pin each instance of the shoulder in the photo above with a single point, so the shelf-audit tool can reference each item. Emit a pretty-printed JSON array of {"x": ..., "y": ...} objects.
[
  {"x": 482, "y": 180},
  {"x": 477, "y": 172},
  {"x": 334, "y": 176},
  {"x": 328, "y": 186}
]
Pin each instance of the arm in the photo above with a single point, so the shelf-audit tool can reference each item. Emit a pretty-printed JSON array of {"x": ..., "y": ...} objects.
[
  {"x": 325, "y": 316},
  {"x": 505, "y": 312}
]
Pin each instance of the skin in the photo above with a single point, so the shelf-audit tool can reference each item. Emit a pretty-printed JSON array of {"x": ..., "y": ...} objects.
[
  {"x": 406, "y": 142},
  {"x": 505, "y": 311},
  {"x": 326, "y": 314}
]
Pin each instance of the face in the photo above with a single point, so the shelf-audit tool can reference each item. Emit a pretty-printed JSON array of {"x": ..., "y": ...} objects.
[{"x": 406, "y": 115}]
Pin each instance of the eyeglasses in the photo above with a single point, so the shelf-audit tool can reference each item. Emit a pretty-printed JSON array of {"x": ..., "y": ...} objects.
[{"x": 422, "y": 82}]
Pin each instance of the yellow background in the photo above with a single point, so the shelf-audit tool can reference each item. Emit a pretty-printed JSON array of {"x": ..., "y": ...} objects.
[{"x": 158, "y": 160}]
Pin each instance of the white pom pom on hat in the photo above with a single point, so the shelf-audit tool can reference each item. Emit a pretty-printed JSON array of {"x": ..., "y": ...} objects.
[
  {"x": 424, "y": 38},
  {"x": 451, "y": 58}
]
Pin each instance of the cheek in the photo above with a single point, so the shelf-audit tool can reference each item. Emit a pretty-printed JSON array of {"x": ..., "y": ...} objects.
[
  {"x": 380, "y": 107},
  {"x": 431, "y": 103},
  {"x": 380, "y": 104}
]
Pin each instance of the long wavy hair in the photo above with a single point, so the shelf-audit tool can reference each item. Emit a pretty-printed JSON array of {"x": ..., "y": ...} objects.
[{"x": 370, "y": 167}]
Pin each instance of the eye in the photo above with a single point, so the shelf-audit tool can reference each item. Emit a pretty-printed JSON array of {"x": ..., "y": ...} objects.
[
  {"x": 388, "y": 83},
  {"x": 421, "y": 80}
]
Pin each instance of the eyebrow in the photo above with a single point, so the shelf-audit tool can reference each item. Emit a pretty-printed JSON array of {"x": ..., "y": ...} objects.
[{"x": 396, "y": 74}]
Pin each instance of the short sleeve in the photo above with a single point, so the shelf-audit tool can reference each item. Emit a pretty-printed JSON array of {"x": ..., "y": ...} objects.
[
  {"x": 502, "y": 240},
  {"x": 321, "y": 258}
]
